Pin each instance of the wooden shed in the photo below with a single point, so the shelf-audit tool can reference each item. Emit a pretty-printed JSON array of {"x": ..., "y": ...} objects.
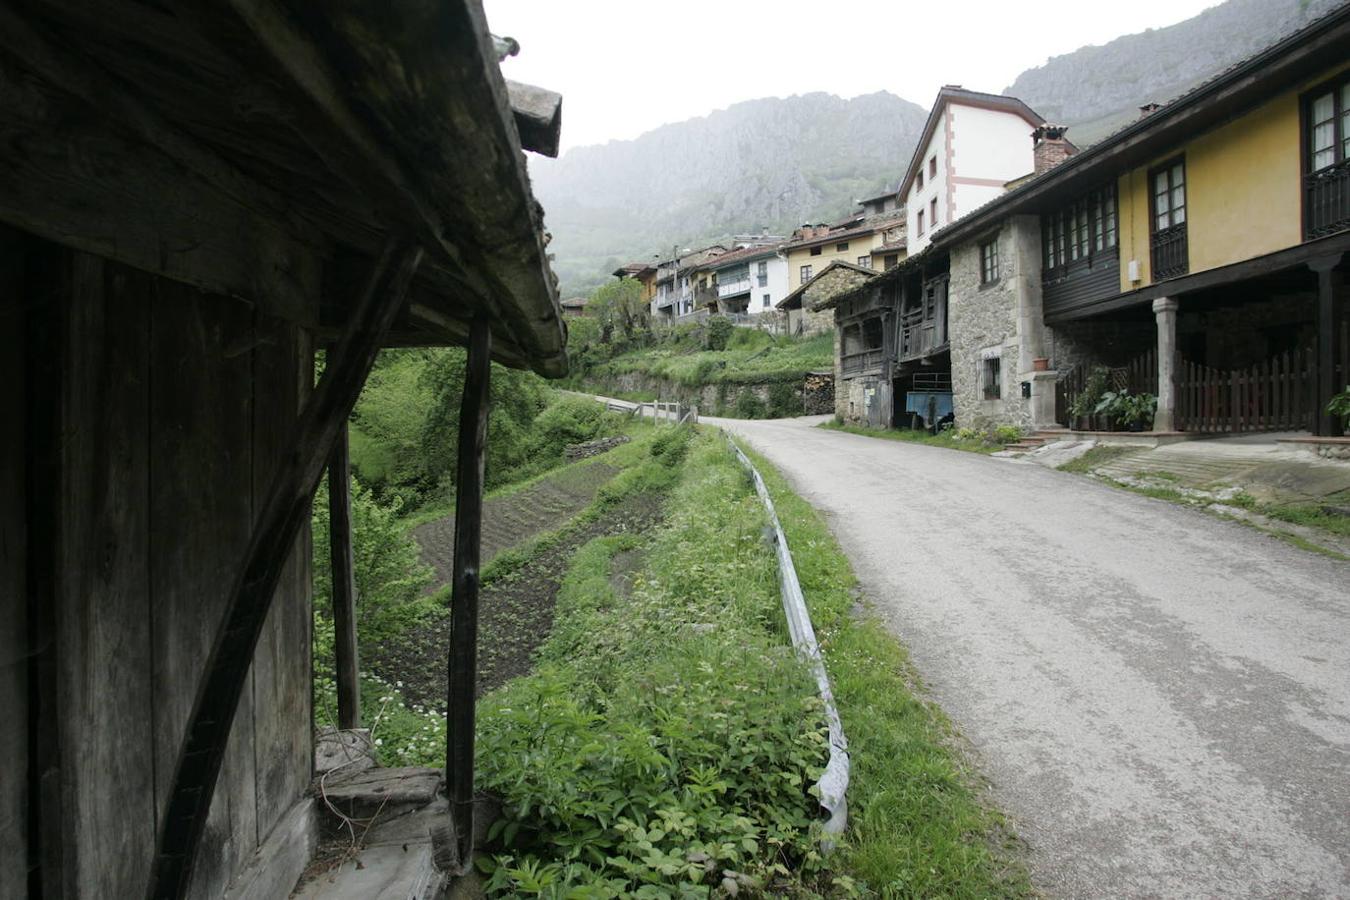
[{"x": 194, "y": 197}]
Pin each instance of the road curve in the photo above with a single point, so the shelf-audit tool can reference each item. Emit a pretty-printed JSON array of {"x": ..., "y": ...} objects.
[{"x": 1161, "y": 699}]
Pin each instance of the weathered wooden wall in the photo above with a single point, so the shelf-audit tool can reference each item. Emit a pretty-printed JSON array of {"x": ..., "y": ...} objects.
[
  {"x": 13, "y": 606},
  {"x": 174, "y": 406}
]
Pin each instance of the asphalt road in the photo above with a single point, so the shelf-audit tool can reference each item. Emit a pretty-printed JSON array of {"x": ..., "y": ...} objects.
[{"x": 1160, "y": 699}]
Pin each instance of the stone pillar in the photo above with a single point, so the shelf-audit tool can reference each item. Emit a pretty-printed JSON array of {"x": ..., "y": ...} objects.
[
  {"x": 1165, "y": 311},
  {"x": 1043, "y": 399}
]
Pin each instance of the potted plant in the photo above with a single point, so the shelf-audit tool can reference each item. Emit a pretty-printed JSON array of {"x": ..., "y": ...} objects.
[
  {"x": 1126, "y": 411},
  {"x": 1084, "y": 406},
  {"x": 1340, "y": 406}
]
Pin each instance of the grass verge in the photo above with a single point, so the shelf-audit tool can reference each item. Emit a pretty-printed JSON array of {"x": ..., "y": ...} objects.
[
  {"x": 947, "y": 439},
  {"x": 917, "y": 825},
  {"x": 665, "y": 745}
]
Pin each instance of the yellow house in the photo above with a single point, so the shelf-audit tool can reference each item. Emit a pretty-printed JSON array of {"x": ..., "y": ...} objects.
[
  {"x": 1200, "y": 252},
  {"x": 644, "y": 274},
  {"x": 877, "y": 242}
]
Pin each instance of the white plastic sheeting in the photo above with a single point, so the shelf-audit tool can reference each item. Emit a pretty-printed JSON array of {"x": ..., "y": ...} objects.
[{"x": 833, "y": 783}]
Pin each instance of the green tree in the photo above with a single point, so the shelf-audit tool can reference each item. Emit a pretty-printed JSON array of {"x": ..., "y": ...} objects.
[{"x": 618, "y": 307}]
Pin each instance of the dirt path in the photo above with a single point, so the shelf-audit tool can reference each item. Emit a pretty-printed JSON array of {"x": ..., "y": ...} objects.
[{"x": 1161, "y": 699}]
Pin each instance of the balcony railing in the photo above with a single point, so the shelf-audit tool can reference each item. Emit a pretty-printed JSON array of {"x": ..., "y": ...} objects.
[
  {"x": 1169, "y": 252},
  {"x": 732, "y": 288},
  {"x": 858, "y": 363},
  {"x": 1326, "y": 201}
]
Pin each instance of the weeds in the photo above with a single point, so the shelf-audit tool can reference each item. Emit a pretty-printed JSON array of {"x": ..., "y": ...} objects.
[
  {"x": 966, "y": 439},
  {"x": 666, "y": 744}
]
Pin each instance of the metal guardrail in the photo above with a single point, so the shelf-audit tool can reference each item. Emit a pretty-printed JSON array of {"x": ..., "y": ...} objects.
[{"x": 833, "y": 783}]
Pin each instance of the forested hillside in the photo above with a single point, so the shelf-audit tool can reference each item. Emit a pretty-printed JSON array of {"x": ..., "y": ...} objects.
[
  {"x": 1096, "y": 89},
  {"x": 770, "y": 163},
  {"x": 776, "y": 162}
]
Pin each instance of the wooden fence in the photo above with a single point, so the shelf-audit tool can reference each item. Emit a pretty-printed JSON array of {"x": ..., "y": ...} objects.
[
  {"x": 1274, "y": 395},
  {"x": 1138, "y": 376}
]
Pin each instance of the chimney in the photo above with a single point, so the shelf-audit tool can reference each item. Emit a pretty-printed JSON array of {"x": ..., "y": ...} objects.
[
  {"x": 1050, "y": 147},
  {"x": 1149, "y": 109}
]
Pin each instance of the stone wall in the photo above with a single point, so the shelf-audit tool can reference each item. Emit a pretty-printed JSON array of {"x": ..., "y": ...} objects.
[
  {"x": 1003, "y": 319},
  {"x": 813, "y": 392},
  {"x": 1090, "y": 342}
]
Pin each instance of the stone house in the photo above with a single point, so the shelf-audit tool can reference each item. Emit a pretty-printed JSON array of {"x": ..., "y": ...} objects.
[
  {"x": 807, "y": 308},
  {"x": 971, "y": 146}
]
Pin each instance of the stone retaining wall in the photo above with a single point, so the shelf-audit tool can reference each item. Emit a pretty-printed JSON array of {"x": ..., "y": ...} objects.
[{"x": 810, "y": 394}]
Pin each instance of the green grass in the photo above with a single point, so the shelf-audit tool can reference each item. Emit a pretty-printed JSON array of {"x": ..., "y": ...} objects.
[
  {"x": 1310, "y": 515},
  {"x": 1097, "y": 456},
  {"x": 917, "y": 826},
  {"x": 752, "y": 357},
  {"x": 945, "y": 439},
  {"x": 623, "y": 455}
]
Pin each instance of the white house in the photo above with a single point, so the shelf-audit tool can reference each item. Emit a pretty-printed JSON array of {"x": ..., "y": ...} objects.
[
  {"x": 750, "y": 280},
  {"x": 972, "y": 145}
]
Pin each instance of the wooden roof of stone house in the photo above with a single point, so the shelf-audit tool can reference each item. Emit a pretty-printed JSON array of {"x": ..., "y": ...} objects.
[{"x": 237, "y": 145}]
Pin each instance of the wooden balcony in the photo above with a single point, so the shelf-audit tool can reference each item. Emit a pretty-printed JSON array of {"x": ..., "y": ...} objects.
[{"x": 863, "y": 362}]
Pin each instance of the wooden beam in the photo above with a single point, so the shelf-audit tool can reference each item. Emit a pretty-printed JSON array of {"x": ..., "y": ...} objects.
[
  {"x": 283, "y": 514},
  {"x": 1325, "y": 386},
  {"x": 344, "y": 583},
  {"x": 463, "y": 680},
  {"x": 538, "y": 115}
]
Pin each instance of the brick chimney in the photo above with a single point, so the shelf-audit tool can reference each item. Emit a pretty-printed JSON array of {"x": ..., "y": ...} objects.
[{"x": 1050, "y": 147}]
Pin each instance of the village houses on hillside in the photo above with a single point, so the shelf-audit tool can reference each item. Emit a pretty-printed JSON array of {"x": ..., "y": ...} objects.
[{"x": 1192, "y": 263}]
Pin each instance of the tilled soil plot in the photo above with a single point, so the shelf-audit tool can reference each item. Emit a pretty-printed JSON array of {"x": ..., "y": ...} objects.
[
  {"x": 512, "y": 520},
  {"x": 516, "y": 615}
]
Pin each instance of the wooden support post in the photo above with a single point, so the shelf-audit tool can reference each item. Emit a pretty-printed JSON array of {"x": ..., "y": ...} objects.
[
  {"x": 1325, "y": 387},
  {"x": 463, "y": 680},
  {"x": 344, "y": 583},
  {"x": 283, "y": 514}
]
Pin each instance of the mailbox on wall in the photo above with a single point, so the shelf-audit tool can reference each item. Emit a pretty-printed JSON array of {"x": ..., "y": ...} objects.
[{"x": 1026, "y": 389}]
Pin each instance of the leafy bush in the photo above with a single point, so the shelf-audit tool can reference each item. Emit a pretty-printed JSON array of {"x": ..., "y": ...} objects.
[
  {"x": 390, "y": 576},
  {"x": 1098, "y": 380},
  {"x": 1339, "y": 405},
  {"x": 671, "y": 444},
  {"x": 749, "y": 406},
  {"x": 568, "y": 420},
  {"x": 1126, "y": 410},
  {"x": 668, "y": 741},
  {"x": 785, "y": 399},
  {"x": 1007, "y": 434},
  {"x": 668, "y": 782},
  {"x": 717, "y": 333}
]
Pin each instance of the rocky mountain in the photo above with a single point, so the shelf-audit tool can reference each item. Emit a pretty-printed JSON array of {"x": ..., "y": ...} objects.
[
  {"x": 775, "y": 163},
  {"x": 770, "y": 163},
  {"x": 1096, "y": 89}
]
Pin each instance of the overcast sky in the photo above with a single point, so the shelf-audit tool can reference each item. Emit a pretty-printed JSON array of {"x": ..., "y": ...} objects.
[{"x": 626, "y": 66}]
